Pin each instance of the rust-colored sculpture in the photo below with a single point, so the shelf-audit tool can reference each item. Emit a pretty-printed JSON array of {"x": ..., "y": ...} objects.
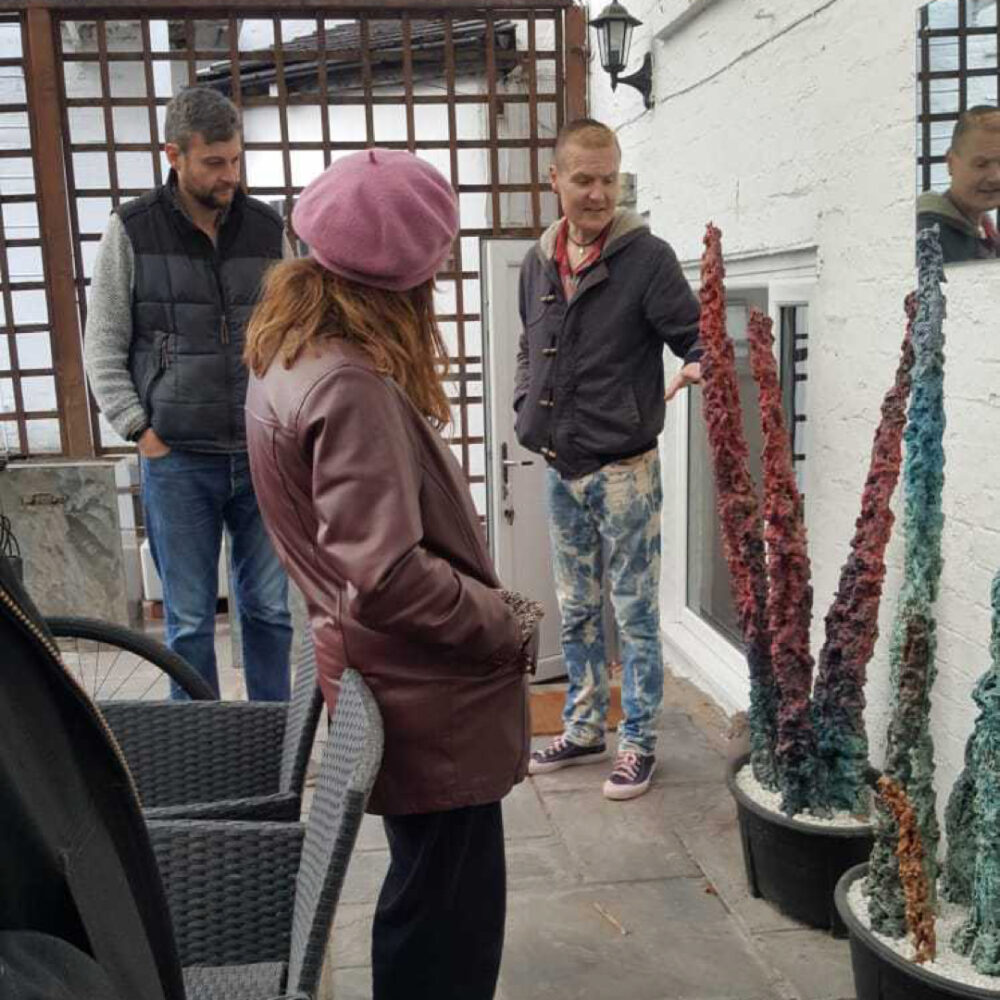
[{"x": 920, "y": 918}]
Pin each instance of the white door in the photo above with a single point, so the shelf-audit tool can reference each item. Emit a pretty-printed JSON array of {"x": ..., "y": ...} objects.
[{"x": 515, "y": 477}]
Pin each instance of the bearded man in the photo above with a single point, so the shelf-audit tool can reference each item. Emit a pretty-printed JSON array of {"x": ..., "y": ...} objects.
[{"x": 175, "y": 280}]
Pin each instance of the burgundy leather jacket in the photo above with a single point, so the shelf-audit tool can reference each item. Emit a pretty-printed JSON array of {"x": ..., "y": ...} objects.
[{"x": 371, "y": 516}]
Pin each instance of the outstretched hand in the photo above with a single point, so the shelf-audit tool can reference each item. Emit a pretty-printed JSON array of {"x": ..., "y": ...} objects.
[{"x": 688, "y": 375}]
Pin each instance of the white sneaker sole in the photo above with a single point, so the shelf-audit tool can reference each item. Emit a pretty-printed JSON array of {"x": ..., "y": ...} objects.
[
  {"x": 536, "y": 767},
  {"x": 621, "y": 793}
]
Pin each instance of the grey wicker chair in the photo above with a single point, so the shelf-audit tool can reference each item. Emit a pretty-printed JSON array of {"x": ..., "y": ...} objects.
[
  {"x": 252, "y": 904},
  {"x": 222, "y": 760}
]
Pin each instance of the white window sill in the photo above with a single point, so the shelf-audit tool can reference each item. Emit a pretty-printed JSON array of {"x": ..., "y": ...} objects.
[{"x": 694, "y": 650}]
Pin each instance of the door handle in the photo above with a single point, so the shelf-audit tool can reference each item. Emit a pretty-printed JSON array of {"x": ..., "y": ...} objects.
[{"x": 507, "y": 463}]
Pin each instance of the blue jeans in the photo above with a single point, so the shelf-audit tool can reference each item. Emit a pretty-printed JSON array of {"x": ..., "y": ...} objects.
[
  {"x": 188, "y": 497},
  {"x": 619, "y": 504}
]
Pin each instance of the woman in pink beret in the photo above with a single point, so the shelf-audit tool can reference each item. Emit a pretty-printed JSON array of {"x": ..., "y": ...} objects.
[{"x": 372, "y": 518}]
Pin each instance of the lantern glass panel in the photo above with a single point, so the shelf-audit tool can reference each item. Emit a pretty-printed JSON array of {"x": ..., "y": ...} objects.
[
  {"x": 619, "y": 37},
  {"x": 602, "y": 43}
]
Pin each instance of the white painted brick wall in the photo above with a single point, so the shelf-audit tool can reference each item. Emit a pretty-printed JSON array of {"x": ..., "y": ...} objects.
[{"x": 810, "y": 139}]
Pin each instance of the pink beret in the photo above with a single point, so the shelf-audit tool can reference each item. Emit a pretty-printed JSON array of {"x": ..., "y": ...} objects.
[{"x": 381, "y": 217}]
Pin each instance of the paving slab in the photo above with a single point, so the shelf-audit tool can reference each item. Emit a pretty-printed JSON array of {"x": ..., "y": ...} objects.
[
  {"x": 817, "y": 966},
  {"x": 350, "y": 984},
  {"x": 539, "y": 864},
  {"x": 685, "y": 754},
  {"x": 619, "y": 841},
  {"x": 524, "y": 815},
  {"x": 713, "y": 842},
  {"x": 371, "y": 836},
  {"x": 642, "y": 940},
  {"x": 351, "y": 938},
  {"x": 365, "y": 875}
]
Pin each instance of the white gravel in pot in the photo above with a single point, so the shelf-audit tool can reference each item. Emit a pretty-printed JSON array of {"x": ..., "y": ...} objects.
[
  {"x": 771, "y": 801},
  {"x": 948, "y": 964}
]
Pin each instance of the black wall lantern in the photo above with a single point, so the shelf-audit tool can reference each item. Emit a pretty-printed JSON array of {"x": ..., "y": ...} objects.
[{"x": 614, "y": 27}]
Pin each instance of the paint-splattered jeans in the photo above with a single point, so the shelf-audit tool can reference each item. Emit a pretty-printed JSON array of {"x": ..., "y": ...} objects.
[{"x": 618, "y": 504}]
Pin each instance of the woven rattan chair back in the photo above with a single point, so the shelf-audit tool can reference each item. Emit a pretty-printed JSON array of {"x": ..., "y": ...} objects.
[
  {"x": 303, "y": 714},
  {"x": 350, "y": 765}
]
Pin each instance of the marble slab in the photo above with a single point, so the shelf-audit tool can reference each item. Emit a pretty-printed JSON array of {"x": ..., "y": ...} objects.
[{"x": 66, "y": 520}]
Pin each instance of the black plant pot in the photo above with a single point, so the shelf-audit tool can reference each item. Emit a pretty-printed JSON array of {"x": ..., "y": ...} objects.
[
  {"x": 881, "y": 974},
  {"x": 793, "y": 865}
]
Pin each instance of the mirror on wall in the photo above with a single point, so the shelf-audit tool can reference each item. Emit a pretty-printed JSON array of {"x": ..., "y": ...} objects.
[{"x": 958, "y": 126}]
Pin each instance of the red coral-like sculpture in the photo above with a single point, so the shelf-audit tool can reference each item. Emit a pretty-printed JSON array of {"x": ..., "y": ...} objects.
[
  {"x": 813, "y": 751},
  {"x": 789, "y": 597},
  {"x": 852, "y": 621},
  {"x": 739, "y": 514}
]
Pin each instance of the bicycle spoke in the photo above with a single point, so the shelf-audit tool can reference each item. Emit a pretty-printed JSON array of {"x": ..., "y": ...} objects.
[
  {"x": 156, "y": 680},
  {"x": 111, "y": 662},
  {"x": 97, "y": 665},
  {"x": 126, "y": 679}
]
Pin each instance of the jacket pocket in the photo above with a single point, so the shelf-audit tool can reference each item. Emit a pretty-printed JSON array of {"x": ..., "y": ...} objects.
[
  {"x": 531, "y": 425},
  {"x": 519, "y": 411},
  {"x": 606, "y": 421},
  {"x": 156, "y": 367},
  {"x": 539, "y": 311}
]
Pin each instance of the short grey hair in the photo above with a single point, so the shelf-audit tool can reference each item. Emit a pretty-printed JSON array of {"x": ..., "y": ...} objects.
[
  {"x": 985, "y": 116},
  {"x": 202, "y": 110}
]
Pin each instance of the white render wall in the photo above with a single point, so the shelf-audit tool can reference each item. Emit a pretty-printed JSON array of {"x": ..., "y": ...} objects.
[{"x": 788, "y": 124}]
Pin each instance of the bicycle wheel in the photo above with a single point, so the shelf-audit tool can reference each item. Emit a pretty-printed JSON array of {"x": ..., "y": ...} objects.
[{"x": 114, "y": 663}]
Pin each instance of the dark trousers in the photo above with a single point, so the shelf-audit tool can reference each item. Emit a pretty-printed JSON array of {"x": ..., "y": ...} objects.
[{"x": 439, "y": 923}]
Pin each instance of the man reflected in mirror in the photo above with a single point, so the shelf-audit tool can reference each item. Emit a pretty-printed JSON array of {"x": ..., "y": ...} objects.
[{"x": 968, "y": 230}]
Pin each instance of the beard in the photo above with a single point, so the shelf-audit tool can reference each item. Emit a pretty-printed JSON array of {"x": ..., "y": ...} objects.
[{"x": 210, "y": 199}]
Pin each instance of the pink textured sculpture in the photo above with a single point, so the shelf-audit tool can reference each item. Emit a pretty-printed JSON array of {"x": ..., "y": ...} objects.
[
  {"x": 739, "y": 515},
  {"x": 789, "y": 597},
  {"x": 813, "y": 750}
]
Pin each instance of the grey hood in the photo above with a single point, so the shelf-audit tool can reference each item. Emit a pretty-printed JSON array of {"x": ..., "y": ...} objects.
[
  {"x": 935, "y": 203},
  {"x": 625, "y": 221}
]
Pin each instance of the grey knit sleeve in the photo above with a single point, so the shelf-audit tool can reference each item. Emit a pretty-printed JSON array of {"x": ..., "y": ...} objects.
[{"x": 109, "y": 332}]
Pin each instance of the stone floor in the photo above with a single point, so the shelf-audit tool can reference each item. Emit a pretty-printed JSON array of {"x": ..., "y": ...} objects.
[{"x": 645, "y": 899}]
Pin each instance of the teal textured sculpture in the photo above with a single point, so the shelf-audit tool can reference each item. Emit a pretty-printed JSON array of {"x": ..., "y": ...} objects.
[
  {"x": 910, "y": 750},
  {"x": 973, "y": 864}
]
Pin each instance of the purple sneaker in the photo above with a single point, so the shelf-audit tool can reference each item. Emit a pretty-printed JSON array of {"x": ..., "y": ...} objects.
[
  {"x": 631, "y": 776},
  {"x": 561, "y": 753}
]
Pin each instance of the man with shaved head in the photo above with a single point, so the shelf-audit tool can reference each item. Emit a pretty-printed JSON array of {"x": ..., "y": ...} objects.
[
  {"x": 968, "y": 231},
  {"x": 600, "y": 297}
]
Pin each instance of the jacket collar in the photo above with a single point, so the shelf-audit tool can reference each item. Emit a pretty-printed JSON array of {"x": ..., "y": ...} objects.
[
  {"x": 170, "y": 195},
  {"x": 625, "y": 226},
  {"x": 936, "y": 203}
]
